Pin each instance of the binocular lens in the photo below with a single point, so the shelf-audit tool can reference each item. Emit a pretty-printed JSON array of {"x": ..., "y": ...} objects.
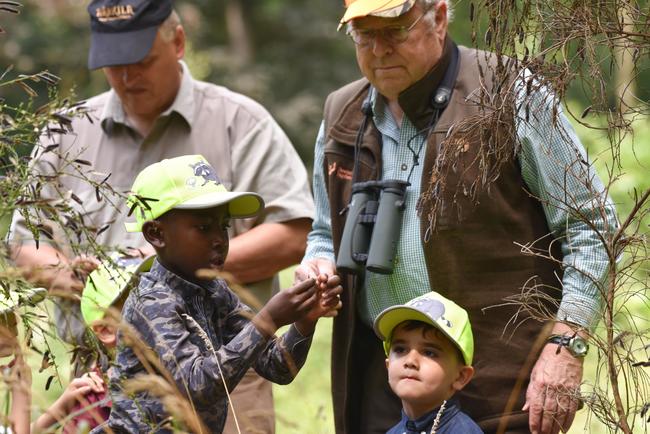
[{"x": 372, "y": 227}]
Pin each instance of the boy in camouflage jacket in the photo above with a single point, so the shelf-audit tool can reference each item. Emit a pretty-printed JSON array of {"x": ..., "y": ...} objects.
[{"x": 202, "y": 333}]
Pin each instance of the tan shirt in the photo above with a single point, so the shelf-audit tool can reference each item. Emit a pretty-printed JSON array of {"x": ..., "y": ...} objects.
[{"x": 241, "y": 140}]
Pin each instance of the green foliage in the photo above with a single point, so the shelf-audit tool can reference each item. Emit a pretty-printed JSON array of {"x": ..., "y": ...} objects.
[{"x": 297, "y": 56}]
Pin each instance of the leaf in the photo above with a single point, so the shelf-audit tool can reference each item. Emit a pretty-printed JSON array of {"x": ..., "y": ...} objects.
[
  {"x": 76, "y": 198},
  {"x": 45, "y": 362},
  {"x": 67, "y": 120},
  {"x": 27, "y": 89},
  {"x": 49, "y": 382},
  {"x": 56, "y": 130},
  {"x": 7, "y": 71},
  {"x": 10, "y": 9},
  {"x": 83, "y": 162},
  {"x": 48, "y": 77},
  {"x": 50, "y": 148},
  {"x": 103, "y": 229},
  {"x": 105, "y": 179}
]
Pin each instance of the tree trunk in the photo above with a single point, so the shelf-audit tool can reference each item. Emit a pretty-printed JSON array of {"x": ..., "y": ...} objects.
[
  {"x": 625, "y": 81},
  {"x": 238, "y": 35}
]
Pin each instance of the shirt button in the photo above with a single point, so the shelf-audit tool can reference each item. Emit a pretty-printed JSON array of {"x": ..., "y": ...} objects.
[{"x": 404, "y": 166}]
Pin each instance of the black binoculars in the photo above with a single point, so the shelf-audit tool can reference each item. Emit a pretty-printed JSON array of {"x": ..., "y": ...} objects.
[{"x": 372, "y": 227}]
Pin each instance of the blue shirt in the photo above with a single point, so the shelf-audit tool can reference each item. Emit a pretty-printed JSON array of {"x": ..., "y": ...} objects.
[
  {"x": 554, "y": 168},
  {"x": 452, "y": 421}
]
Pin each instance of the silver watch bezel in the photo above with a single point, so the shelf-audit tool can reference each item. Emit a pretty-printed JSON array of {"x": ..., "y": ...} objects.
[{"x": 572, "y": 343}]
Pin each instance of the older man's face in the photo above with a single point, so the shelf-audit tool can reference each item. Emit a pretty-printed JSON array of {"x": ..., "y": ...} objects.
[
  {"x": 149, "y": 87},
  {"x": 392, "y": 68}
]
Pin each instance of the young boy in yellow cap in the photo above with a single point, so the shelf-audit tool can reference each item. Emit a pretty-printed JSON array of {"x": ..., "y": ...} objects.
[
  {"x": 203, "y": 335},
  {"x": 429, "y": 345},
  {"x": 106, "y": 289}
]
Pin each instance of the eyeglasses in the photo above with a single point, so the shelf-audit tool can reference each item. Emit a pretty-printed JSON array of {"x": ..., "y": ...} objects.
[{"x": 392, "y": 34}]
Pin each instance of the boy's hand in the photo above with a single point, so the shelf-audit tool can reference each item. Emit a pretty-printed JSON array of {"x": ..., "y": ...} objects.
[
  {"x": 76, "y": 390},
  {"x": 286, "y": 307},
  {"x": 329, "y": 290},
  {"x": 74, "y": 393},
  {"x": 328, "y": 303}
]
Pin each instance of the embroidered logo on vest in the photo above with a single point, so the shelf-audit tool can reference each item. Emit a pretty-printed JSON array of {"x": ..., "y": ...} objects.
[{"x": 339, "y": 172}]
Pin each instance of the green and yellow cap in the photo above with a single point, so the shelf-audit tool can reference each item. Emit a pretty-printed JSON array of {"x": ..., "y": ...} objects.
[
  {"x": 110, "y": 283},
  {"x": 377, "y": 8},
  {"x": 431, "y": 308},
  {"x": 187, "y": 182}
]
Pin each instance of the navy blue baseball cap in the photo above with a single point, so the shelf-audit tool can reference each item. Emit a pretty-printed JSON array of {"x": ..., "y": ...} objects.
[{"x": 123, "y": 31}]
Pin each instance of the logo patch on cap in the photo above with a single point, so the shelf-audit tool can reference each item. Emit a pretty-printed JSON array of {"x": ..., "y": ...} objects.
[
  {"x": 114, "y": 13},
  {"x": 434, "y": 309},
  {"x": 205, "y": 171}
]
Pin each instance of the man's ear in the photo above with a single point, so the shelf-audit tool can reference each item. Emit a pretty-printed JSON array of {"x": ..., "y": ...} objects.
[
  {"x": 179, "y": 42},
  {"x": 153, "y": 231},
  {"x": 465, "y": 374},
  {"x": 441, "y": 19}
]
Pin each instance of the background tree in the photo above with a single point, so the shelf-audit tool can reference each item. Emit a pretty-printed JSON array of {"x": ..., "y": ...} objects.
[{"x": 592, "y": 52}]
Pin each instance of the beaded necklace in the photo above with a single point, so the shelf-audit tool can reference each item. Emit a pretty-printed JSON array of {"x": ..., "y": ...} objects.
[{"x": 436, "y": 422}]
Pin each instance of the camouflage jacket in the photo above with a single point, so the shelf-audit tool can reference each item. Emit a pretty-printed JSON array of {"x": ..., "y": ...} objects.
[{"x": 165, "y": 311}]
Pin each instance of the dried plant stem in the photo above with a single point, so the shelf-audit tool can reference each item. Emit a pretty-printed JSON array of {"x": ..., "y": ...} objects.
[
  {"x": 611, "y": 365},
  {"x": 208, "y": 343}
]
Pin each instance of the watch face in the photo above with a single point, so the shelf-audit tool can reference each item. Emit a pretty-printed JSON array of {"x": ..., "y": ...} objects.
[{"x": 578, "y": 347}]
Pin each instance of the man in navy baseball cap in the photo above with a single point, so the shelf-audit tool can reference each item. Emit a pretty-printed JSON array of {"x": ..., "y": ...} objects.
[
  {"x": 156, "y": 110},
  {"x": 123, "y": 31}
]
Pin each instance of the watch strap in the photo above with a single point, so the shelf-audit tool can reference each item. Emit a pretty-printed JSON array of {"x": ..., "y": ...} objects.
[{"x": 569, "y": 342}]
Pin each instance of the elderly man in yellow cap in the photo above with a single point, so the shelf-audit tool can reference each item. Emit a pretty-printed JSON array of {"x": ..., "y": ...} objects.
[{"x": 414, "y": 193}]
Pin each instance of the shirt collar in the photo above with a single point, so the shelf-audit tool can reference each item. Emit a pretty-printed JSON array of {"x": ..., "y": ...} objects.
[
  {"x": 383, "y": 117},
  {"x": 113, "y": 112},
  {"x": 425, "y": 422},
  {"x": 159, "y": 273}
]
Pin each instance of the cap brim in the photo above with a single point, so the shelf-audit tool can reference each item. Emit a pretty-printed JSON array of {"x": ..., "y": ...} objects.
[
  {"x": 390, "y": 318},
  {"x": 144, "y": 266},
  {"x": 240, "y": 205},
  {"x": 386, "y": 9},
  {"x": 120, "y": 48}
]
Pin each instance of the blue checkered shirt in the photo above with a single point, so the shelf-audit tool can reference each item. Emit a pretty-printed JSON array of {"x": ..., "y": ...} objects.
[{"x": 550, "y": 157}]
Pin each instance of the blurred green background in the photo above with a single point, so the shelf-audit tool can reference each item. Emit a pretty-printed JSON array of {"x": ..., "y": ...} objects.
[{"x": 286, "y": 54}]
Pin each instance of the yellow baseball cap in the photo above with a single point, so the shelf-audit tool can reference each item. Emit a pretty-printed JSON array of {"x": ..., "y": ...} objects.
[
  {"x": 376, "y": 8},
  {"x": 187, "y": 182},
  {"x": 110, "y": 283},
  {"x": 431, "y": 308}
]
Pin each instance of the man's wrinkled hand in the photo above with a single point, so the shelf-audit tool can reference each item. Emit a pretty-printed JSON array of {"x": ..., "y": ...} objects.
[
  {"x": 552, "y": 397},
  {"x": 69, "y": 278},
  {"x": 313, "y": 268}
]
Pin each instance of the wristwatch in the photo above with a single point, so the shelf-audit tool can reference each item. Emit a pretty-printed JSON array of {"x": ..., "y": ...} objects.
[{"x": 577, "y": 346}]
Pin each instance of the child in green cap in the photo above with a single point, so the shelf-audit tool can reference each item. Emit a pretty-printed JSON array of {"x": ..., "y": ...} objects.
[
  {"x": 429, "y": 345},
  {"x": 204, "y": 336},
  {"x": 17, "y": 374}
]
